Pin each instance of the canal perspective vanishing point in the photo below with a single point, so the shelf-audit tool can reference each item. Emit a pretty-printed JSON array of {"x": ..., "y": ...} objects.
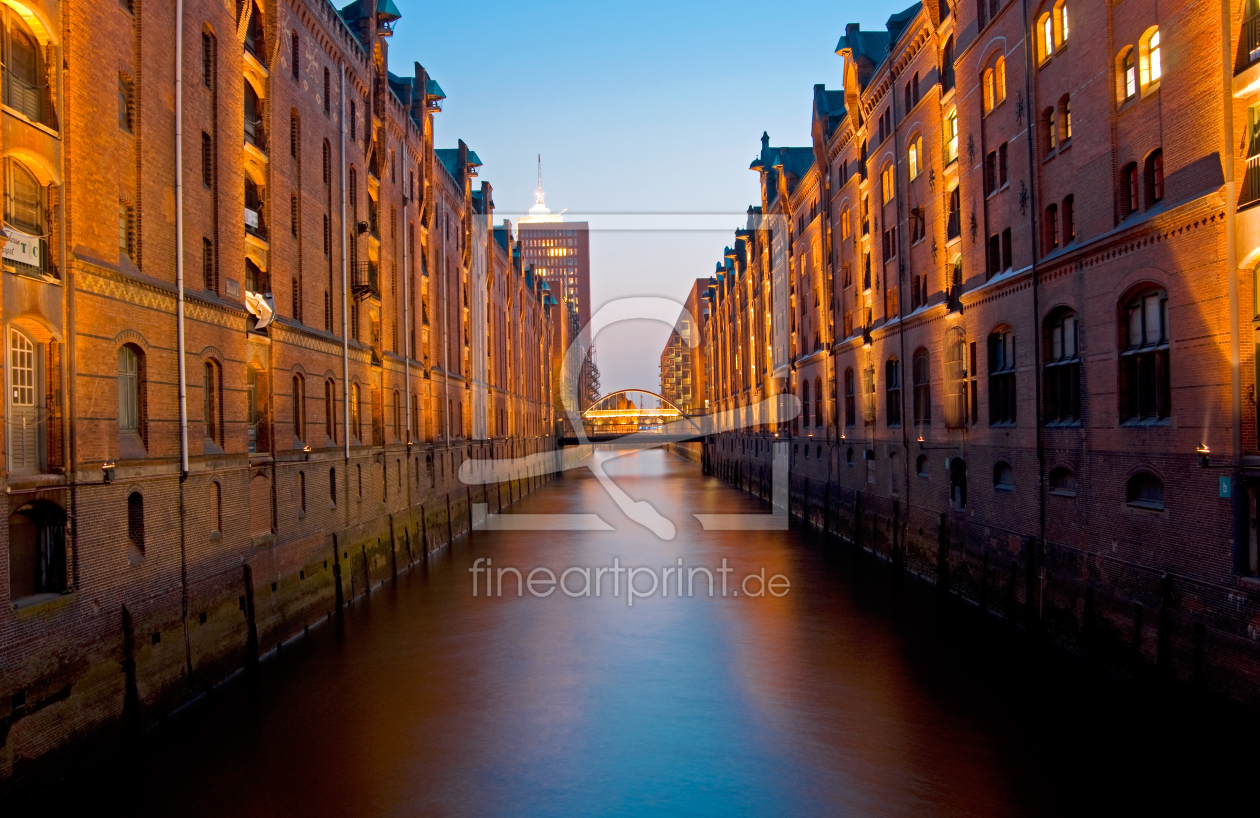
[{"x": 911, "y": 469}]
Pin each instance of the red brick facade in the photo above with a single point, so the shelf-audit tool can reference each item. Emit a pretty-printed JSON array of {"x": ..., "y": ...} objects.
[
  {"x": 1013, "y": 341},
  {"x": 323, "y": 440}
]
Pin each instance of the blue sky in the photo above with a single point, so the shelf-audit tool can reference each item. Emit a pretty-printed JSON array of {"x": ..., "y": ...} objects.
[{"x": 646, "y": 107}]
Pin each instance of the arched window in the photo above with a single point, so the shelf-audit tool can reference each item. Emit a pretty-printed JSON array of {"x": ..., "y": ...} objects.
[
  {"x": 216, "y": 507},
  {"x": 955, "y": 378},
  {"x": 958, "y": 483},
  {"x": 327, "y": 93},
  {"x": 1050, "y": 125},
  {"x": 1154, "y": 177},
  {"x": 1003, "y": 476},
  {"x": 818, "y": 403},
  {"x": 951, "y": 135},
  {"x": 295, "y": 52},
  {"x": 254, "y": 42},
  {"x": 922, "y": 375},
  {"x": 1001, "y": 376},
  {"x": 1065, "y": 118},
  {"x": 1062, "y": 369},
  {"x": 1149, "y": 58},
  {"x": 299, "y": 406},
  {"x": 1069, "y": 219},
  {"x": 135, "y": 525},
  {"x": 330, "y": 410},
  {"x": 848, "y": 457},
  {"x": 1145, "y": 393},
  {"x": 302, "y": 492},
  {"x": 1052, "y": 227},
  {"x": 24, "y": 204},
  {"x": 24, "y": 72},
  {"x": 914, "y": 157},
  {"x": 332, "y": 486},
  {"x": 887, "y": 185},
  {"x": 987, "y": 84},
  {"x": 1045, "y": 37},
  {"x": 130, "y": 379},
  {"x": 212, "y": 402},
  {"x": 355, "y": 426},
  {"x": 253, "y": 118},
  {"x": 921, "y": 465},
  {"x": 1127, "y": 74},
  {"x": 805, "y": 403},
  {"x": 1144, "y": 490},
  {"x": 1061, "y": 21},
  {"x": 1129, "y": 189},
  {"x": 850, "y": 399},
  {"x": 947, "y": 64},
  {"x": 1063, "y": 481},
  {"x": 868, "y": 396},
  {"x": 37, "y": 550},
  {"x": 892, "y": 390},
  {"x": 398, "y": 414}
]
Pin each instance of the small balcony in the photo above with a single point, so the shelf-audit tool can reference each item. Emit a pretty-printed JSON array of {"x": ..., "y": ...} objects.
[
  {"x": 255, "y": 135},
  {"x": 365, "y": 279},
  {"x": 1251, "y": 182},
  {"x": 1249, "y": 45},
  {"x": 255, "y": 224}
]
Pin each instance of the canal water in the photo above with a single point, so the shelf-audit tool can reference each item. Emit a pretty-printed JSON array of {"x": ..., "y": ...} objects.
[{"x": 849, "y": 691}]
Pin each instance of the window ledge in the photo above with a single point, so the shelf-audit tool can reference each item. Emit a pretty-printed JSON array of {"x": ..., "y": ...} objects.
[
  {"x": 1145, "y": 506},
  {"x": 1151, "y": 88},
  {"x": 1062, "y": 493},
  {"x": 1139, "y": 423},
  {"x": 1004, "y": 488},
  {"x": 43, "y": 602}
]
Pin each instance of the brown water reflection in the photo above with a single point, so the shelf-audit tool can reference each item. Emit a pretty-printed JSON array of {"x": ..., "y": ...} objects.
[{"x": 854, "y": 694}]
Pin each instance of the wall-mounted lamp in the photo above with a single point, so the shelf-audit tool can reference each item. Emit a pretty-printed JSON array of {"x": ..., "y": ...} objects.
[
  {"x": 1203, "y": 452},
  {"x": 107, "y": 469},
  {"x": 921, "y": 441},
  {"x": 306, "y": 452}
]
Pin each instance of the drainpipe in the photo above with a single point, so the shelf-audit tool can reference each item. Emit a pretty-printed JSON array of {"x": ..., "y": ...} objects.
[
  {"x": 406, "y": 306},
  {"x": 1231, "y": 260},
  {"x": 1036, "y": 299},
  {"x": 179, "y": 328},
  {"x": 345, "y": 291},
  {"x": 179, "y": 240}
]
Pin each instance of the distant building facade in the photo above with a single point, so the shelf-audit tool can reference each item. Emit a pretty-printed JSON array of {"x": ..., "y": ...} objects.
[
  {"x": 1012, "y": 284},
  {"x": 683, "y": 367},
  {"x": 354, "y": 329}
]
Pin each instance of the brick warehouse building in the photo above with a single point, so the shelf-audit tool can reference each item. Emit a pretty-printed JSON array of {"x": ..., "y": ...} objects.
[
  {"x": 1009, "y": 283},
  {"x": 353, "y": 328}
]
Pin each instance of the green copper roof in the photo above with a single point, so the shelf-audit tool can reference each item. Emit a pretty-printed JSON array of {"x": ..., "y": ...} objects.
[
  {"x": 387, "y": 9},
  {"x": 432, "y": 89}
]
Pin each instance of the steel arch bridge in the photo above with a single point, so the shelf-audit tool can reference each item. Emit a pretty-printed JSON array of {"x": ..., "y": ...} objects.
[{"x": 617, "y": 414}]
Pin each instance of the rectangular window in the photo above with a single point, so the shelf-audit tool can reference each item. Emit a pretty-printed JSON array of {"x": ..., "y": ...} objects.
[
  {"x": 1002, "y": 377},
  {"x": 124, "y": 104}
]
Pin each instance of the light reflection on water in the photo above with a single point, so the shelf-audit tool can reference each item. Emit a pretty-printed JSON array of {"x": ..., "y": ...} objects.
[{"x": 853, "y": 694}]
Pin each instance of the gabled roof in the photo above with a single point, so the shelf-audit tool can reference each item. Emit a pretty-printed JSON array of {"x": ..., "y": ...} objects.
[
  {"x": 828, "y": 109},
  {"x": 868, "y": 49},
  {"x": 449, "y": 157},
  {"x": 794, "y": 161}
]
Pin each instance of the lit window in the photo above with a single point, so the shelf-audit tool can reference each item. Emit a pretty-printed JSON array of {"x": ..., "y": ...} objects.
[
  {"x": 1128, "y": 75},
  {"x": 951, "y": 135},
  {"x": 886, "y": 183},
  {"x": 1045, "y": 37},
  {"x": 999, "y": 73},
  {"x": 914, "y": 158},
  {"x": 1149, "y": 52}
]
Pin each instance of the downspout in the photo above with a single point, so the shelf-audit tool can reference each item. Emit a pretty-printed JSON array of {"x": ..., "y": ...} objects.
[
  {"x": 901, "y": 310},
  {"x": 179, "y": 241},
  {"x": 179, "y": 328},
  {"x": 1036, "y": 297},
  {"x": 1231, "y": 260},
  {"x": 406, "y": 228},
  {"x": 345, "y": 293},
  {"x": 446, "y": 345}
]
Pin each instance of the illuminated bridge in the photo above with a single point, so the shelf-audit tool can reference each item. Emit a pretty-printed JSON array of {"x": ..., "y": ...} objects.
[{"x": 645, "y": 416}]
